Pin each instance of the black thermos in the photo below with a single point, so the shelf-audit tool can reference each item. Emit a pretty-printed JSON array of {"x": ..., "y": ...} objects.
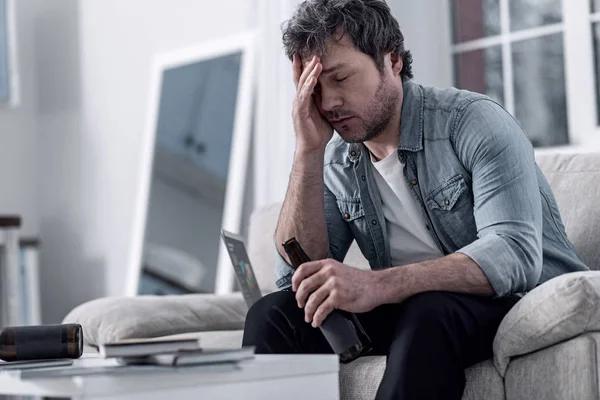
[
  {"x": 41, "y": 342},
  {"x": 342, "y": 330}
]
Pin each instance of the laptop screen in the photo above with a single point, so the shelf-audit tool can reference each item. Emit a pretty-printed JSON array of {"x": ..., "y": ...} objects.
[{"x": 243, "y": 269}]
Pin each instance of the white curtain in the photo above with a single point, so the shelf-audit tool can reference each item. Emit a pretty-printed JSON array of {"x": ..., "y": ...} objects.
[{"x": 274, "y": 140}]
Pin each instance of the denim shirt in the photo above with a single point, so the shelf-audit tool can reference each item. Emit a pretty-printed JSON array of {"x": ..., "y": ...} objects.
[{"x": 472, "y": 171}]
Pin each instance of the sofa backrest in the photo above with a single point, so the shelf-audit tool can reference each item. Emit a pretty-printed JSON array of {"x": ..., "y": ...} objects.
[
  {"x": 575, "y": 181},
  {"x": 261, "y": 247}
]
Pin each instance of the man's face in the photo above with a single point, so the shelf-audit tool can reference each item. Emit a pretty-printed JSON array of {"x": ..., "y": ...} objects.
[{"x": 355, "y": 97}]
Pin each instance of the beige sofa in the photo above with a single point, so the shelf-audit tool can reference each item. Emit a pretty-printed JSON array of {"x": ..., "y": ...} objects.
[{"x": 547, "y": 347}]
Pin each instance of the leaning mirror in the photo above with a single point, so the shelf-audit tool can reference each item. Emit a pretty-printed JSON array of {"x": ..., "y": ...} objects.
[{"x": 194, "y": 168}]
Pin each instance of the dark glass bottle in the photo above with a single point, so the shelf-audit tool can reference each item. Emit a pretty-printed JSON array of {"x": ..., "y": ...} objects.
[
  {"x": 342, "y": 330},
  {"x": 41, "y": 342}
]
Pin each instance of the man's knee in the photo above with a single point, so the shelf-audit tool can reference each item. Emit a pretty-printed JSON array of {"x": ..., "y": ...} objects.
[
  {"x": 272, "y": 303},
  {"x": 428, "y": 308},
  {"x": 269, "y": 323},
  {"x": 270, "y": 312}
]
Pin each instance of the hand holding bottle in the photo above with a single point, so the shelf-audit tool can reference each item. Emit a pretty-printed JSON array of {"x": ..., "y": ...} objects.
[
  {"x": 326, "y": 285},
  {"x": 343, "y": 331}
]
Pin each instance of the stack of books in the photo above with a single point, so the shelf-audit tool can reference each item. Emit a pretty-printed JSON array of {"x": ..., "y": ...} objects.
[{"x": 171, "y": 352}]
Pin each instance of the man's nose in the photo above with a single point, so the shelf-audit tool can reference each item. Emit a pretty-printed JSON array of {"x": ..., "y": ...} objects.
[{"x": 330, "y": 100}]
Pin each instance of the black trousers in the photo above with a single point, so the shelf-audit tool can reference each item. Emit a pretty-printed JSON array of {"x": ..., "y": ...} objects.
[{"x": 429, "y": 339}]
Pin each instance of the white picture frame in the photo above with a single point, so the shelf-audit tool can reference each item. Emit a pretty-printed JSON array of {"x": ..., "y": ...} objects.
[{"x": 243, "y": 43}]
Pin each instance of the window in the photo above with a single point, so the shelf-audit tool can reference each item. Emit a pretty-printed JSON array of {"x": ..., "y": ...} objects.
[
  {"x": 4, "y": 62},
  {"x": 513, "y": 51}
]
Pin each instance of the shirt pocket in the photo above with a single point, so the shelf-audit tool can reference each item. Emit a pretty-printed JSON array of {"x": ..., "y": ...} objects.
[
  {"x": 451, "y": 204},
  {"x": 351, "y": 209}
]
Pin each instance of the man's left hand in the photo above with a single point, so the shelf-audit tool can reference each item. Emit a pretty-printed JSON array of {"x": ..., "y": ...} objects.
[{"x": 325, "y": 285}]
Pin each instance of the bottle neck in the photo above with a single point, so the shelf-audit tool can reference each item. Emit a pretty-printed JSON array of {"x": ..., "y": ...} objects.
[{"x": 295, "y": 253}]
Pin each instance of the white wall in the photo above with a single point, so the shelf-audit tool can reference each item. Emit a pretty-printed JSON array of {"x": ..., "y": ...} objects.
[
  {"x": 18, "y": 148},
  {"x": 87, "y": 214},
  {"x": 70, "y": 269},
  {"x": 426, "y": 29}
]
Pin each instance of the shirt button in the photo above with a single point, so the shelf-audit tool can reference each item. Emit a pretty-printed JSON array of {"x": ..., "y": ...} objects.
[
  {"x": 374, "y": 222},
  {"x": 447, "y": 202},
  {"x": 413, "y": 182},
  {"x": 347, "y": 216},
  {"x": 353, "y": 153},
  {"x": 364, "y": 178}
]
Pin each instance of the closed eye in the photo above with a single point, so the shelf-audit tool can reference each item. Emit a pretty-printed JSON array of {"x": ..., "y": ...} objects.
[{"x": 341, "y": 79}]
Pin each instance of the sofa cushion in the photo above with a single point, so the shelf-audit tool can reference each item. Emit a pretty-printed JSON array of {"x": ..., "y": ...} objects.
[
  {"x": 557, "y": 310},
  {"x": 574, "y": 179},
  {"x": 360, "y": 379},
  {"x": 114, "y": 318},
  {"x": 566, "y": 371},
  {"x": 483, "y": 382}
]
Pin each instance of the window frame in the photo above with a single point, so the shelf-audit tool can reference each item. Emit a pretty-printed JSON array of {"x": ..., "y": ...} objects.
[
  {"x": 14, "y": 96},
  {"x": 578, "y": 50}
]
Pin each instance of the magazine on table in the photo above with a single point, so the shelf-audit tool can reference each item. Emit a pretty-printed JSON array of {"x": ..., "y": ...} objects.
[
  {"x": 146, "y": 347},
  {"x": 192, "y": 357},
  {"x": 29, "y": 364}
]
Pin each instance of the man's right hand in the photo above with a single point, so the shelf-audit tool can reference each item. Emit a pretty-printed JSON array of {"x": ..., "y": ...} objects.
[{"x": 313, "y": 131}]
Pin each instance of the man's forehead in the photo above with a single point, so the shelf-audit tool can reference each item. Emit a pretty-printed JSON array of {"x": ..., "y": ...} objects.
[{"x": 336, "y": 51}]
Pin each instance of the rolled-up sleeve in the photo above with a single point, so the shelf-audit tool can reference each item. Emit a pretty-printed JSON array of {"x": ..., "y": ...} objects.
[
  {"x": 340, "y": 239},
  {"x": 507, "y": 203}
]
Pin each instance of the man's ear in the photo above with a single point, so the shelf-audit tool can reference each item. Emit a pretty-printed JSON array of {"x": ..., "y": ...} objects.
[{"x": 397, "y": 63}]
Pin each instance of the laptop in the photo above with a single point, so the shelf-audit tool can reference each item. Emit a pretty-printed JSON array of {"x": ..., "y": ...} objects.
[{"x": 241, "y": 265}]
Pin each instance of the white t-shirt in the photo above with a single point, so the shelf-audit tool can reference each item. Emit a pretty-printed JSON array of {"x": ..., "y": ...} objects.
[{"x": 410, "y": 241}]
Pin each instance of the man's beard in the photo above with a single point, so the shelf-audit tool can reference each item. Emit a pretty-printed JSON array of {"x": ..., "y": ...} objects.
[{"x": 377, "y": 114}]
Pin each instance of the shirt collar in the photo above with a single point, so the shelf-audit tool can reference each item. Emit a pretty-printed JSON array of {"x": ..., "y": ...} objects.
[{"x": 411, "y": 125}]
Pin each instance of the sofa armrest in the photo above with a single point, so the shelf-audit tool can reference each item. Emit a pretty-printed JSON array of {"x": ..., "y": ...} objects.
[
  {"x": 115, "y": 318},
  {"x": 558, "y": 310},
  {"x": 567, "y": 370}
]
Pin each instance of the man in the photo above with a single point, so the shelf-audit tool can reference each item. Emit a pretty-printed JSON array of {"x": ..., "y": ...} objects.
[{"x": 439, "y": 188}]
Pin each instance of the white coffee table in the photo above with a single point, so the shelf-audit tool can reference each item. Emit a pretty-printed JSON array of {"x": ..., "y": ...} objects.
[{"x": 265, "y": 377}]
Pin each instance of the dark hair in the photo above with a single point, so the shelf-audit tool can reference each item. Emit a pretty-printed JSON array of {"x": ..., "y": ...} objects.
[{"x": 369, "y": 23}]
